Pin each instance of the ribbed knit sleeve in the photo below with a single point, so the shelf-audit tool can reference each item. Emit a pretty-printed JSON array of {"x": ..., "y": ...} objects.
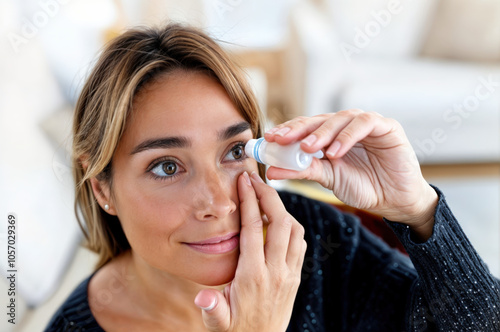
[{"x": 454, "y": 290}]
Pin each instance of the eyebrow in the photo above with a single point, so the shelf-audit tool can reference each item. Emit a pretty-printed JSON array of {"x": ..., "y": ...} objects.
[
  {"x": 162, "y": 143},
  {"x": 233, "y": 130},
  {"x": 183, "y": 142}
]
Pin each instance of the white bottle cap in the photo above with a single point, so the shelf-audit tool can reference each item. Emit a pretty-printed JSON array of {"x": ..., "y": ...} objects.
[
  {"x": 284, "y": 156},
  {"x": 252, "y": 149}
]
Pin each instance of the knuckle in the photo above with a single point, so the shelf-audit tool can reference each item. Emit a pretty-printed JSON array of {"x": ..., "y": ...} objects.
[
  {"x": 356, "y": 111},
  {"x": 345, "y": 136},
  {"x": 301, "y": 118},
  {"x": 304, "y": 246},
  {"x": 343, "y": 113},
  {"x": 300, "y": 230},
  {"x": 259, "y": 276},
  {"x": 324, "y": 130},
  {"x": 295, "y": 280},
  {"x": 285, "y": 223},
  {"x": 297, "y": 121},
  {"x": 323, "y": 116},
  {"x": 285, "y": 124},
  {"x": 301, "y": 121},
  {"x": 350, "y": 112},
  {"x": 251, "y": 276},
  {"x": 367, "y": 116},
  {"x": 282, "y": 279},
  {"x": 394, "y": 123}
]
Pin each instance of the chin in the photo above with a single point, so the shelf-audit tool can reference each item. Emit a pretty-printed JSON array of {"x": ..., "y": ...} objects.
[
  {"x": 218, "y": 280},
  {"x": 216, "y": 273}
]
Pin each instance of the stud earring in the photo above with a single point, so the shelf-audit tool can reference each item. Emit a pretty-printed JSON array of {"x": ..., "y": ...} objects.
[{"x": 106, "y": 207}]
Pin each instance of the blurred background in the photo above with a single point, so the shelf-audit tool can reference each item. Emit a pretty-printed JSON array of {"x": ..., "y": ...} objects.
[{"x": 434, "y": 65}]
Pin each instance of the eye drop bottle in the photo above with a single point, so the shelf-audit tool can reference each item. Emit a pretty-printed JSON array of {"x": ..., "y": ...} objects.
[{"x": 283, "y": 156}]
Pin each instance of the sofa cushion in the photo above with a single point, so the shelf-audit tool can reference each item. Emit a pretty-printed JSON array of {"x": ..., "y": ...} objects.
[
  {"x": 391, "y": 28},
  {"x": 465, "y": 30},
  {"x": 445, "y": 107}
]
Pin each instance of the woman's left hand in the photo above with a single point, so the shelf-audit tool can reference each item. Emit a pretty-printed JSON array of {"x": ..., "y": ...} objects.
[
  {"x": 261, "y": 296},
  {"x": 369, "y": 164}
]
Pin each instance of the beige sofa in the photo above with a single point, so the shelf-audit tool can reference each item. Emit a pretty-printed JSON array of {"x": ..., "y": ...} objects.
[{"x": 432, "y": 65}]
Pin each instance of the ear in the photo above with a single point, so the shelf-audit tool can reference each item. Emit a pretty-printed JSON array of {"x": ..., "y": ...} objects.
[
  {"x": 102, "y": 193},
  {"x": 101, "y": 189}
]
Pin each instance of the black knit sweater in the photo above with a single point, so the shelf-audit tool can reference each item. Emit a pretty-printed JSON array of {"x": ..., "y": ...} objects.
[{"x": 352, "y": 281}]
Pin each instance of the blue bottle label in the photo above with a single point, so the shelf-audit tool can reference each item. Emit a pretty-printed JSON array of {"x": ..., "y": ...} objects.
[{"x": 256, "y": 148}]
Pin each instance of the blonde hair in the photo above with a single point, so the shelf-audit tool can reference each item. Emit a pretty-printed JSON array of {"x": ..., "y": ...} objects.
[{"x": 127, "y": 64}]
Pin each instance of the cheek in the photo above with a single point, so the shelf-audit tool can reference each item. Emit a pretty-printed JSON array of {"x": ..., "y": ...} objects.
[
  {"x": 249, "y": 165},
  {"x": 233, "y": 173},
  {"x": 151, "y": 218},
  {"x": 156, "y": 218}
]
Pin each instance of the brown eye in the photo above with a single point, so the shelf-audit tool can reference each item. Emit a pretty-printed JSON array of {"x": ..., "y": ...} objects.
[
  {"x": 166, "y": 169},
  {"x": 169, "y": 168},
  {"x": 237, "y": 152}
]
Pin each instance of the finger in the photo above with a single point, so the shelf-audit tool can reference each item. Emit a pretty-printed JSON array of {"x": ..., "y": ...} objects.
[
  {"x": 300, "y": 261},
  {"x": 294, "y": 130},
  {"x": 280, "y": 222},
  {"x": 251, "y": 233},
  {"x": 276, "y": 173},
  {"x": 215, "y": 310},
  {"x": 362, "y": 126},
  {"x": 301, "y": 128},
  {"x": 295, "y": 245},
  {"x": 325, "y": 134},
  {"x": 320, "y": 171}
]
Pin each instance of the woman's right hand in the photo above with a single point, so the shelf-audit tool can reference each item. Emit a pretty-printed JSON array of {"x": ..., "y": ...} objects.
[{"x": 262, "y": 293}]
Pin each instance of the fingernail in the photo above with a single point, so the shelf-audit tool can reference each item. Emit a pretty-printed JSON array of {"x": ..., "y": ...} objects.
[
  {"x": 209, "y": 307},
  {"x": 283, "y": 131},
  {"x": 247, "y": 178},
  {"x": 333, "y": 149},
  {"x": 256, "y": 177},
  {"x": 309, "y": 140}
]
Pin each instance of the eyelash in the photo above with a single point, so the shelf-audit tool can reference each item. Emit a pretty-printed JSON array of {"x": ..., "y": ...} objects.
[
  {"x": 239, "y": 145},
  {"x": 158, "y": 162},
  {"x": 162, "y": 160}
]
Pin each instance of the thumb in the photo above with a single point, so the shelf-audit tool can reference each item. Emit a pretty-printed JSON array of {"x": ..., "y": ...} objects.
[{"x": 215, "y": 310}]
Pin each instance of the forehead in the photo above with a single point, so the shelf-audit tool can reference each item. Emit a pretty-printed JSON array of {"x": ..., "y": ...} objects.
[{"x": 180, "y": 102}]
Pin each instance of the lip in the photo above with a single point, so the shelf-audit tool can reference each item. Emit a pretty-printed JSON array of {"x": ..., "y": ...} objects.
[{"x": 217, "y": 245}]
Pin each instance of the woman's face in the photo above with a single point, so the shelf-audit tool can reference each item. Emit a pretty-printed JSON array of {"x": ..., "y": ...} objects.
[{"x": 175, "y": 174}]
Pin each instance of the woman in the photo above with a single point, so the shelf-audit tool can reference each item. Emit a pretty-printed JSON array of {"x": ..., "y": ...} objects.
[{"x": 176, "y": 211}]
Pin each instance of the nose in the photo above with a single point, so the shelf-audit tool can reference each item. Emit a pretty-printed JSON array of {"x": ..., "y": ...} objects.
[{"x": 214, "y": 197}]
